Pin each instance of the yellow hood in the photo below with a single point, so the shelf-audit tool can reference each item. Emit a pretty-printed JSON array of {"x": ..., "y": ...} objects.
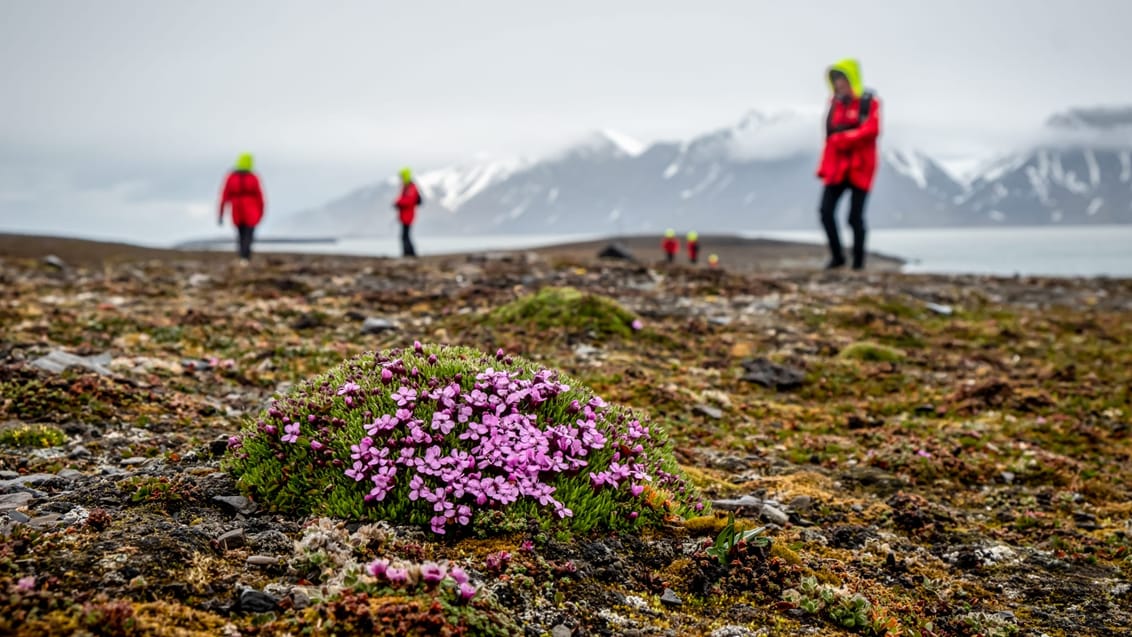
[{"x": 852, "y": 70}]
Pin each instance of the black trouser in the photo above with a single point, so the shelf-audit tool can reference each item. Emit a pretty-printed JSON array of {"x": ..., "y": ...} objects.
[
  {"x": 829, "y": 199},
  {"x": 244, "y": 241},
  {"x": 406, "y": 243},
  {"x": 670, "y": 257}
]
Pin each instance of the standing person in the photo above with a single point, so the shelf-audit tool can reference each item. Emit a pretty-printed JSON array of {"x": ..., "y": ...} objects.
[
  {"x": 670, "y": 245},
  {"x": 694, "y": 246},
  {"x": 243, "y": 193},
  {"x": 407, "y": 204},
  {"x": 850, "y": 157}
]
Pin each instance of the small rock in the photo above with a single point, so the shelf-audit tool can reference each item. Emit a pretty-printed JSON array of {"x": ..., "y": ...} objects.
[
  {"x": 76, "y": 516},
  {"x": 10, "y": 501},
  {"x": 44, "y": 521},
  {"x": 300, "y": 600},
  {"x": 723, "y": 321},
  {"x": 774, "y": 515},
  {"x": 733, "y": 504},
  {"x": 801, "y": 503},
  {"x": 24, "y": 483},
  {"x": 942, "y": 310},
  {"x": 584, "y": 350},
  {"x": 772, "y": 375},
  {"x": 80, "y": 452},
  {"x": 253, "y": 601},
  {"x": 262, "y": 560},
  {"x": 219, "y": 446},
  {"x": 1007, "y": 477},
  {"x": 54, "y": 262},
  {"x": 670, "y": 598},
  {"x": 373, "y": 325},
  {"x": 616, "y": 251},
  {"x": 198, "y": 279},
  {"x": 271, "y": 542},
  {"x": 18, "y": 517},
  {"x": 715, "y": 413},
  {"x": 133, "y": 462},
  {"x": 307, "y": 321},
  {"x": 233, "y": 539},
  {"x": 561, "y": 630},
  {"x": 57, "y": 361},
  {"x": 9, "y": 475},
  {"x": 237, "y": 503}
]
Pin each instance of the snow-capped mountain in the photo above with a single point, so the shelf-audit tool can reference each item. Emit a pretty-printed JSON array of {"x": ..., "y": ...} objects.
[
  {"x": 1079, "y": 173},
  {"x": 755, "y": 175}
]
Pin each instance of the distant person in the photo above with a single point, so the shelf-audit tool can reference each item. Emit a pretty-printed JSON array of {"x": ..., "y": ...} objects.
[
  {"x": 406, "y": 205},
  {"x": 850, "y": 157},
  {"x": 670, "y": 245},
  {"x": 694, "y": 246},
  {"x": 243, "y": 193},
  {"x": 713, "y": 261}
]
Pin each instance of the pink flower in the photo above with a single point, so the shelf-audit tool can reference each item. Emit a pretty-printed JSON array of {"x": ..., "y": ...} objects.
[
  {"x": 291, "y": 433},
  {"x": 458, "y": 575},
  {"x": 27, "y": 583},
  {"x": 317, "y": 446},
  {"x": 467, "y": 592},
  {"x": 349, "y": 388},
  {"x": 378, "y": 567},
  {"x": 636, "y": 490},
  {"x": 432, "y": 573},
  {"x": 637, "y": 325},
  {"x": 396, "y": 575},
  {"x": 923, "y": 454},
  {"x": 386, "y": 376}
]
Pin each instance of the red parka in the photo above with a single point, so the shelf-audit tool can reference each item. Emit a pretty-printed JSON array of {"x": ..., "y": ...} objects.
[
  {"x": 243, "y": 193},
  {"x": 407, "y": 203}
]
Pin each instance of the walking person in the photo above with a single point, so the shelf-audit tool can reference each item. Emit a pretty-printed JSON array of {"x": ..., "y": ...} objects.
[
  {"x": 242, "y": 192},
  {"x": 406, "y": 205},
  {"x": 850, "y": 157},
  {"x": 670, "y": 245},
  {"x": 694, "y": 246}
]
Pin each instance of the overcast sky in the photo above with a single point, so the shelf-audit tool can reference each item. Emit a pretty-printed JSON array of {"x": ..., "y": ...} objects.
[{"x": 120, "y": 118}]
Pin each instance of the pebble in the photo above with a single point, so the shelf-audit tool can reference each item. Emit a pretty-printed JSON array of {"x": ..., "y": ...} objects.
[
  {"x": 801, "y": 503},
  {"x": 237, "y": 503},
  {"x": 373, "y": 325},
  {"x": 561, "y": 630},
  {"x": 70, "y": 474},
  {"x": 774, "y": 515},
  {"x": 11, "y": 501},
  {"x": 44, "y": 521},
  {"x": 133, "y": 462},
  {"x": 254, "y": 601},
  {"x": 715, "y": 413},
  {"x": 300, "y": 600},
  {"x": 80, "y": 452},
  {"x": 18, "y": 517},
  {"x": 9, "y": 475},
  {"x": 262, "y": 560},
  {"x": 670, "y": 598},
  {"x": 233, "y": 539}
]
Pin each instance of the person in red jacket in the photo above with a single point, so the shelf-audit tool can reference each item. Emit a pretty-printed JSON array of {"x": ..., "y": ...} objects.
[
  {"x": 406, "y": 205},
  {"x": 694, "y": 246},
  {"x": 670, "y": 245},
  {"x": 243, "y": 193},
  {"x": 849, "y": 160}
]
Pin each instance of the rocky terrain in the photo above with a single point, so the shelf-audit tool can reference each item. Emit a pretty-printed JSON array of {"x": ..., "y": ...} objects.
[{"x": 881, "y": 454}]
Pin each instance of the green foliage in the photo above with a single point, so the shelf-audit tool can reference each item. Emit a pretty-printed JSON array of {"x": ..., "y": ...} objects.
[
  {"x": 728, "y": 541},
  {"x": 872, "y": 352},
  {"x": 566, "y": 309},
  {"x": 32, "y": 436}
]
